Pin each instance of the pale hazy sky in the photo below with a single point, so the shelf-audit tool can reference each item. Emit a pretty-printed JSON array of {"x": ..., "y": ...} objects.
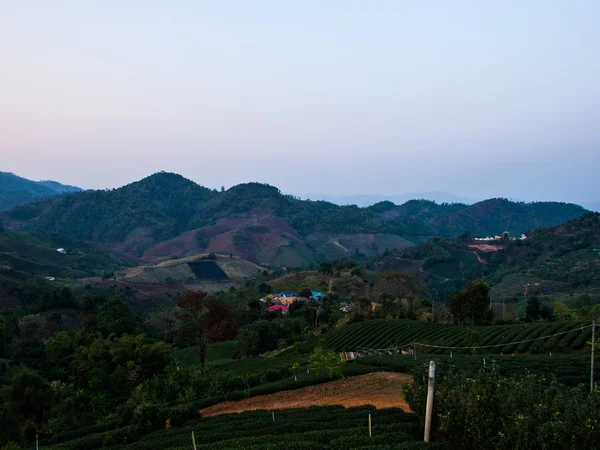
[{"x": 478, "y": 98}]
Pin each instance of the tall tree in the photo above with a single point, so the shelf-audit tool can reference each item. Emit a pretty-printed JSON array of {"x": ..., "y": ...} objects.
[
  {"x": 472, "y": 304},
  {"x": 201, "y": 319},
  {"x": 403, "y": 286},
  {"x": 114, "y": 316}
]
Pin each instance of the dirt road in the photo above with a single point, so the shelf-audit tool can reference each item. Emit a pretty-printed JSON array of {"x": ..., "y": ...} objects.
[{"x": 381, "y": 389}]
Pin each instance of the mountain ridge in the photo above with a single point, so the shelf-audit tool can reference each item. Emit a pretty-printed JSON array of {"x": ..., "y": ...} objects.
[
  {"x": 258, "y": 222},
  {"x": 16, "y": 190}
]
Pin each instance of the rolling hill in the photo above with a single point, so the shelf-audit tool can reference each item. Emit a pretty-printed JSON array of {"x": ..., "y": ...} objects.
[
  {"x": 560, "y": 261},
  {"x": 15, "y": 190},
  {"x": 166, "y": 215},
  {"x": 54, "y": 256}
]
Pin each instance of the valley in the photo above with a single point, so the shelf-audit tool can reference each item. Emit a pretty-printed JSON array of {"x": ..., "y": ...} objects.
[{"x": 140, "y": 312}]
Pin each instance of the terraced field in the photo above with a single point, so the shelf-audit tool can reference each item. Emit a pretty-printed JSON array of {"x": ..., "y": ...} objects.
[
  {"x": 333, "y": 427},
  {"x": 434, "y": 338}
]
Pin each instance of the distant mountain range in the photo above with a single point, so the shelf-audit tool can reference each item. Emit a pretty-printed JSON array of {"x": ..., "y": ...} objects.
[
  {"x": 15, "y": 190},
  {"x": 166, "y": 215},
  {"x": 364, "y": 200}
]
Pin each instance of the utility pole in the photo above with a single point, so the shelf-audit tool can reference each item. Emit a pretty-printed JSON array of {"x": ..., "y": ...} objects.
[
  {"x": 193, "y": 439},
  {"x": 429, "y": 410},
  {"x": 593, "y": 356}
]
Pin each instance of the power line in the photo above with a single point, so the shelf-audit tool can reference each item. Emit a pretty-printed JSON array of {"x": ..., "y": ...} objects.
[{"x": 413, "y": 344}]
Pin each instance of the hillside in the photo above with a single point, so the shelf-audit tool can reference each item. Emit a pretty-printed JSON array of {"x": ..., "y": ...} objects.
[
  {"x": 166, "y": 215},
  {"x": 389, "y": 336},
  {"x": 29, "y": 263},
  {"x": 557, "y": 261},
  {"x": 53, "y": 256},
  {"x": 199, "y": 272},
  {"x": 15, "y": 190}
]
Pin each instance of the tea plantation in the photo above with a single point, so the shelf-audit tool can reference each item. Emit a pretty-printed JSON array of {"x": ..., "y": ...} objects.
[
  {"x": 387, "y": 333},
  {"x": 332, "y": 427}
]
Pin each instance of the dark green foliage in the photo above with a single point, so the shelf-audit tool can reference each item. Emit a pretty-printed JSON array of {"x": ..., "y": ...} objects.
[
  {"x": 15, "y": 190},
  {"x": 265, "y": 335},
  {"x": 489, "y": 411},
  {"x": 164, "y": 205},
  {"x": 114, "y": 316},
  {"x": 28, "y": 399},
  {"x": 333, "y": 427},
  {"x": 472, "y": 304},
  {"x": 37, "y": 254},
  {"x": 385, "y": 333}
]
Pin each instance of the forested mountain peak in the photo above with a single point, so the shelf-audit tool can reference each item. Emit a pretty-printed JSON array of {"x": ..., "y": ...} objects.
[{"x": 259, "y": 219}]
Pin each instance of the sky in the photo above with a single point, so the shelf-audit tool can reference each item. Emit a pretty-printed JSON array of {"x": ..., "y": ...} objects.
[{"x": 477, "y": 98}]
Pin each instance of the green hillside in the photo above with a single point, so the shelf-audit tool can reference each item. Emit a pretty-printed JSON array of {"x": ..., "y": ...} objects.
[
  {"x": 37, "y": 254},
  {"x": 15, "y": 190},
  {"x": 332, "y": 427},
  {"x": 555, "y": 261},
  {"x": 168, "y": 215},
  {"x": 388, "y": 333}
]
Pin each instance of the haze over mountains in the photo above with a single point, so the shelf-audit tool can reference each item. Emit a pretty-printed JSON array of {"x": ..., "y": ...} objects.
[
  {"x": 166, "y": 215},
  {"x": 364, "y": 200}
]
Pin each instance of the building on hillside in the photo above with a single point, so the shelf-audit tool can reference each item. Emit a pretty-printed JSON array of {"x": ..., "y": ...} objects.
[
  {"x": 278, "y": 308},
  {"x": 288, "y": 294},
  {"x": 317, "y": 295},
  {"x": 61, "y": 250}
]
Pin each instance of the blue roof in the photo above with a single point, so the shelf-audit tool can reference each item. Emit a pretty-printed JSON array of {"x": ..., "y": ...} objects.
[
  {"x": 288, "y": 294},
  {"x": 317, "y": 294}
]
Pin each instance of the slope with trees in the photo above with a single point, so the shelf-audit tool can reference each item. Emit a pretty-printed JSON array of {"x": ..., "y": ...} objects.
[
  {"x": 15, "y": 190},
  {"x": 253, "y": 217}
]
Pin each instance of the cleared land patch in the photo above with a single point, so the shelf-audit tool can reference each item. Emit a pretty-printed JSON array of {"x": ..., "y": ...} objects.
[{"x": 380, "y": 389}]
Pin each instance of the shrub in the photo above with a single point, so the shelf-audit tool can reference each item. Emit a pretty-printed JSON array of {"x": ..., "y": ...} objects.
[{"x": 489, "y": 411}]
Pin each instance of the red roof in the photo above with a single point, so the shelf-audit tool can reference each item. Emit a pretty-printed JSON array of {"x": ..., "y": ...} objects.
[{"x": 277, "y": 308}]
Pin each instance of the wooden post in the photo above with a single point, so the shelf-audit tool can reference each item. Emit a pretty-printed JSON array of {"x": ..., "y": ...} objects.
[
  {"x": 370, "y": 423},
  {"x": 273, "y": 414},
  {"x": 593, "y": 356},
  {"x": 429, "y": 410},
  {"x": 193, "y": 440}
]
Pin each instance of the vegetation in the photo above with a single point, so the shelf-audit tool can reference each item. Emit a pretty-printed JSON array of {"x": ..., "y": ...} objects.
[
  {"x": 15, "y": 190},
  {"x": 331, "y": 427},
  {"x": 398, "y": 333},
  {"x": 490, "y": 411},
  {"x": 555, "y": 261},
  {"x": 163, "y": 206}
]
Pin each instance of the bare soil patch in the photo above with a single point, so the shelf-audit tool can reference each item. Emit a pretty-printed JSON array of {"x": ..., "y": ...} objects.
[{"x": 381, "y": 389}]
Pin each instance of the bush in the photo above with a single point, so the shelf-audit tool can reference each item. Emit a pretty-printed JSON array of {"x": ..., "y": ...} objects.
[{"x": 489, "y": 411}]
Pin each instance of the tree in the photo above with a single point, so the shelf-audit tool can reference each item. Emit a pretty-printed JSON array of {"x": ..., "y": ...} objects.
[
  {"x": 264, "y": 289},
  {"x": 472, "y": 304},
  {"x": 114, "y": 316},
  {"x": 326, "y": 268},
  {"x": 305, "y": 292},
  {"x": 29, "y": 397},
  {"x": 326, "y": 362},
  {"x": 402, "y": 286},
  {"x": 533, "y": 309},
  {"x": 200, "y": 319}
]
